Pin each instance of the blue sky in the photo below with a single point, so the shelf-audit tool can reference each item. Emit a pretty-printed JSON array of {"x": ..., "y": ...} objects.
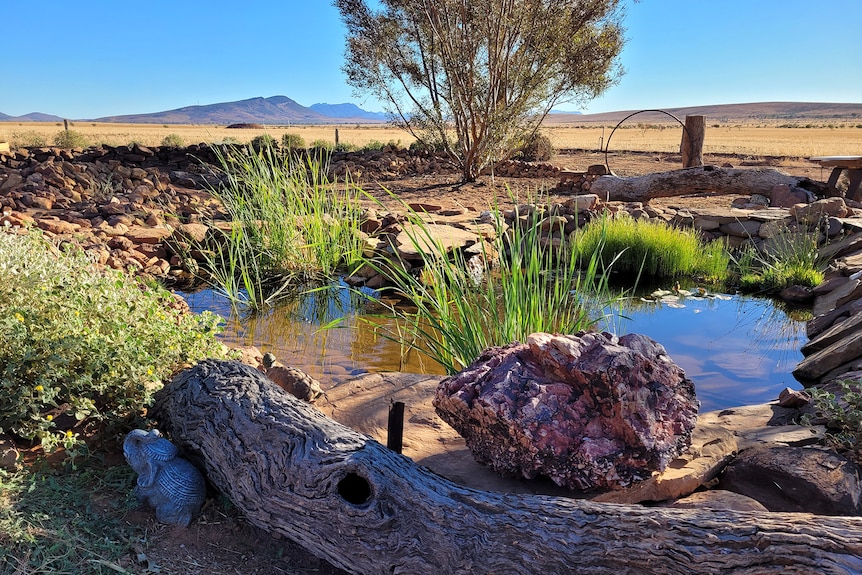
[{"x": 103, "y": 57}]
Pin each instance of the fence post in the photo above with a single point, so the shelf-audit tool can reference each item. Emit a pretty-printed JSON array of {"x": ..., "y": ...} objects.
[{"x": 691, "y": 147}]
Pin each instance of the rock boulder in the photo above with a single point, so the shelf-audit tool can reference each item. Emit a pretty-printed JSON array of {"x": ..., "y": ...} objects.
[{"x": 589, "y": 410}]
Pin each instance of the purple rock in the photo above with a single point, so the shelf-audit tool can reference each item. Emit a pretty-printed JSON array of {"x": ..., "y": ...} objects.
[{"x": 589, "y": 410}]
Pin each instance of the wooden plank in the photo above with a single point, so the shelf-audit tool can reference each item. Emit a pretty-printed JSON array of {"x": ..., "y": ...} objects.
[{"x": 838, "y": 161}]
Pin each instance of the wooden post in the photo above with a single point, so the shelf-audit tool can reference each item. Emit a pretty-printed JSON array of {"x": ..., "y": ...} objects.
[
  {"x": 66, "y": 125},
  {"x": 336, "y": 137},
  {"x": 692, "y": 141}
]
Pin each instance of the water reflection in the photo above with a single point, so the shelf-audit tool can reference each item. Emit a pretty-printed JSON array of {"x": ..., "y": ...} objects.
[{"x": 737, "y": 349}]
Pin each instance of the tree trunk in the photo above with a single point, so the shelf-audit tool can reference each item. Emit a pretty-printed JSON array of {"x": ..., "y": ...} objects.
[
  {"x": 692, "y": 141},
  {"x": 368, "y": 510},
  {"x": 689, "y": 181}
]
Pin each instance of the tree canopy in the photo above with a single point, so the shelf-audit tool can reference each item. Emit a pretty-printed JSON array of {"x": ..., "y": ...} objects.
[{"x": 474, "y": 78}]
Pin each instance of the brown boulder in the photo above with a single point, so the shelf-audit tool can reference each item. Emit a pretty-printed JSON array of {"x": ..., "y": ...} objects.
[
  {"x": 589, "y": 410},
  {"x": 796, "y": 479}
]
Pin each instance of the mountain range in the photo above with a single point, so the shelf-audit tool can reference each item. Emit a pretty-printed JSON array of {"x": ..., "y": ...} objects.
[{"x": 281, "y": 110}]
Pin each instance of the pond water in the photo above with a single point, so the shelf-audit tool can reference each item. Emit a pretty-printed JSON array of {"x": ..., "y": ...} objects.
[{"x": 738, "y": 350}]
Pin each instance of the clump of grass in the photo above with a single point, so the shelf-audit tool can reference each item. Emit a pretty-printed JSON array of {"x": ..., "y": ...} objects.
[
  {"x": 49, "y": 523},
  {"x": 173, "y": 140},
  {"x": 70, "y": 139},
  {"x": 291, "y": 226},
  {"x": 651, "y": 248},
  {"x": 83, "y": 349},
  {"x": 464, "y": 305},
  {"x": 789, "y": 258}
]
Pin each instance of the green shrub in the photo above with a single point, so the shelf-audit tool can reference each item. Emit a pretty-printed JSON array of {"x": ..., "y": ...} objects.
[
  {"x": 262, "y": 142},
  {"x": 373, "y": 146},
  {"x": 843, "y": 415},
  {"x": 345, "y": 147},
  {"x": 536, "y": 148},
  {"x": 28, "y": 139},
  {"x": 70, "y": 139},
  {"x": 173, "y": 141},
  {"x": 324, "y": 145},
  {"x": 292, "y": 141},
  {"x": 82, "y": 349},
  {"x": 652, "y": 248}
]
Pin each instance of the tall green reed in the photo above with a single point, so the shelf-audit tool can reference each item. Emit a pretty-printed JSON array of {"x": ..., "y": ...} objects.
[
  {"x": 291, "y": 226},
  {"x": 516, "y": 284}
]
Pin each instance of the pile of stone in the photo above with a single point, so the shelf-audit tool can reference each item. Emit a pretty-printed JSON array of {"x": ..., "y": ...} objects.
[{"x": 572, "y": 182}]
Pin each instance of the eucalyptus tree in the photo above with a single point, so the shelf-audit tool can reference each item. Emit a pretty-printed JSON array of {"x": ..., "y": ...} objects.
[{"x": 474, "y": 77}]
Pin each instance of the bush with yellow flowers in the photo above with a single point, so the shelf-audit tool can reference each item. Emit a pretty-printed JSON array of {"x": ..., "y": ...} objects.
[{"x": 82, "y": 348}]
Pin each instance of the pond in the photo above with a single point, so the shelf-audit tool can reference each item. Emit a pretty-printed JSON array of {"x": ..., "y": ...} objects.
[{"x": 738, "y": 350}]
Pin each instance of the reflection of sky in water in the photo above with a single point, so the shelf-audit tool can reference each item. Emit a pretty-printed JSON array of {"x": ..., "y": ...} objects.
[{"x": 737, "y": 351}]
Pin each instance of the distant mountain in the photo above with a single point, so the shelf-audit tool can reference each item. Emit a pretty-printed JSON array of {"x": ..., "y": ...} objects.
[
  {"x": 31, "y": 117},
  {"x": 726, "y": 112},
  {"x": 274, "y": 110},
  {"x": 564, "y": 112},
  {"x": 348, "y": 110}
]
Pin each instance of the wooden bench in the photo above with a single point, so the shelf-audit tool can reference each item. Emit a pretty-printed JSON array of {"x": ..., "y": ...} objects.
[{"x": 853, "y": 165}]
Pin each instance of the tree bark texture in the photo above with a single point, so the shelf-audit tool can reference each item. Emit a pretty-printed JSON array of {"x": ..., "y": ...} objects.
[
  {"x": 693, "y": 135},
  {"x": 368, "y": 510},
  {"x": 689, "y": 181}
]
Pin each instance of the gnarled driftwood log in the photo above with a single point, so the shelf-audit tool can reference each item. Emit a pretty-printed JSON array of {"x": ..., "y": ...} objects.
[
  {"x": 368, "y": 510},
  {"x": 689, "y": 181}
]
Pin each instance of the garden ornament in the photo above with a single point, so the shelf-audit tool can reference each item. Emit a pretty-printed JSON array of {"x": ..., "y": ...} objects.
[{"x": 167, "y": 483}]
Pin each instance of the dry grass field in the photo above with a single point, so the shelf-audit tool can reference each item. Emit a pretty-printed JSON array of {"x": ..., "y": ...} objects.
[{"x": 838, "y": 137}]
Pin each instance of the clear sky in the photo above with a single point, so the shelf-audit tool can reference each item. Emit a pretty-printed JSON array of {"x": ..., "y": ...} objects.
[{"x": 96, "y": 58}]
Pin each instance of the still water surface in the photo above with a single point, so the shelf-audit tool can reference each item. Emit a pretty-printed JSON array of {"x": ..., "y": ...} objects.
[{"x": 738, "y": 350}]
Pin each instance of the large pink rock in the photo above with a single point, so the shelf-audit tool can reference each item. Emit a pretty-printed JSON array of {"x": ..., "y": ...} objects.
[{"x": 589, "y": 410}]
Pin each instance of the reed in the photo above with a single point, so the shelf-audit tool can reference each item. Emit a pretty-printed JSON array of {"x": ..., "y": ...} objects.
[
  {"x": 516, "y": 285},
  {"x": 291, "y": 226}
]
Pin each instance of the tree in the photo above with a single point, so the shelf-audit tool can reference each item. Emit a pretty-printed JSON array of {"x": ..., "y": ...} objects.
[{"x": 473, "y": 78}]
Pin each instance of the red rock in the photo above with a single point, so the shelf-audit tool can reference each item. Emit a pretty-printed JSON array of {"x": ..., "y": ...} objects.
[{"x": 589, "y": 410}]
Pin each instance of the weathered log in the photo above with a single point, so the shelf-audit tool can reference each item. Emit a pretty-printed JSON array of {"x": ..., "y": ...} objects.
[
  {"x": 689, "y": 181},
  {"x": 349, "y": 500}
]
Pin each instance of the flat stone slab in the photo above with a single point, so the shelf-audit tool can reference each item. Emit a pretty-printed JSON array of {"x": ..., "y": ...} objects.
[
  {"x": 712, "y": 447},
  {"x": 436, "y": 239}
]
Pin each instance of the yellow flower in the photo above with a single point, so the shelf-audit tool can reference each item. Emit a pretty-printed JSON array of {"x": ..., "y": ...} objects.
[
  {"x": 19, "y": 317},
  {"x": 149, "y": 371},
  {"x": 69, "y": 433},
  {"x": 39, "y": 388},
  {"x": 49, "y": 417}
]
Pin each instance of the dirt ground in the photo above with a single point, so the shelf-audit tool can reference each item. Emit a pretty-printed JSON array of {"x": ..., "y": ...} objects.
[
  {"x": 448, "y": 193},
  {"x": 220, "y": 541}
]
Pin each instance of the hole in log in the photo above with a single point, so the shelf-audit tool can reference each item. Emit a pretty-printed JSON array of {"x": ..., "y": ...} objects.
[{"x": 354, "y": 489}]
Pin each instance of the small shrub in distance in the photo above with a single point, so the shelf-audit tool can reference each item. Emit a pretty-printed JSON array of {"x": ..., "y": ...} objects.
[
  {"x": 373, "y": 146},
  {"x": 536, "y": 148},
  {"x": 262, "y": 142},
  {"x": 173, "y": 141},
  {"x": 345, "y": 147},
  {"x": 28, "y": 139},
  {"x": 293, "y": 141},
  {"x": 323, "y": 145},
  {"x": 70, "y": 139}
]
